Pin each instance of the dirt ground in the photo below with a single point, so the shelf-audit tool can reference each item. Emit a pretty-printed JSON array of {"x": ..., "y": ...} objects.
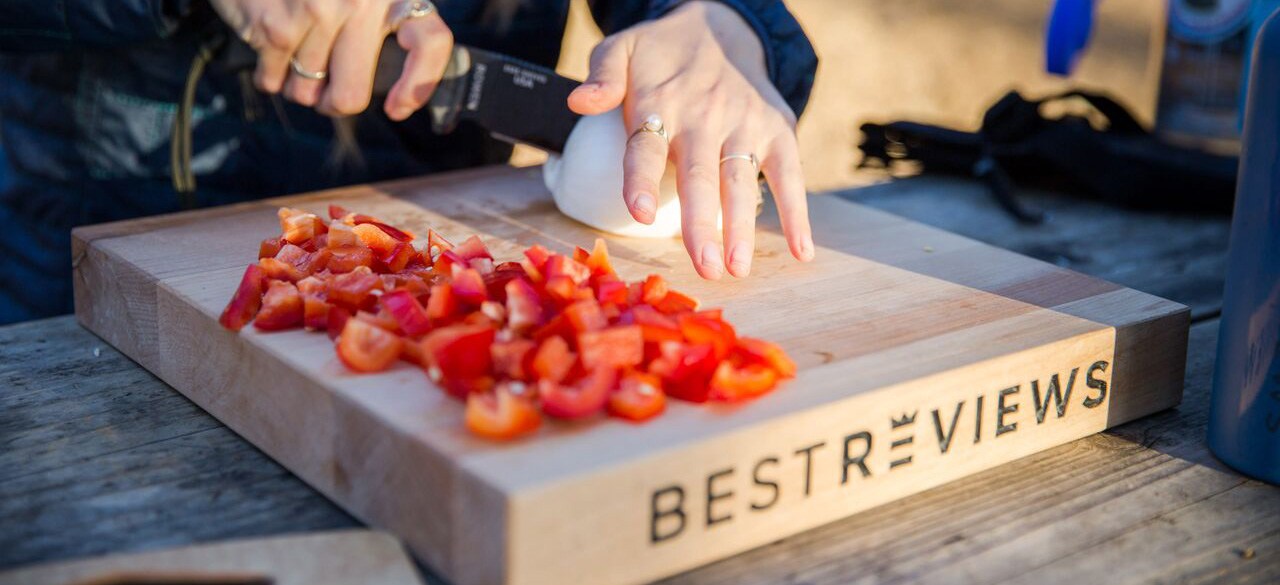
[{"x": 935, "y": 61}]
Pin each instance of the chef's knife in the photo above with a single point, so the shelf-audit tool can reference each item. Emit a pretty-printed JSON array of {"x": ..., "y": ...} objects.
[{"x": 514, "y": 100}]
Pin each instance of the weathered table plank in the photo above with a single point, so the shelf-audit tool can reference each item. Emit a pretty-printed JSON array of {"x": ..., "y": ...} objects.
[{"x": 100, "y": 456}]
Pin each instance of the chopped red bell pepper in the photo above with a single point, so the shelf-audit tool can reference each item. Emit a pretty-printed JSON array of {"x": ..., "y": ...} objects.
[
  {"x": 685, "y": 369},
  {"x": 585, "y": 315},
  {"x": 341, "y": 235},
  {"x": 767, "y": 353},
  {"x": 469, "y": 286},
  {"x": 246, "y": 301},
  {"x": 499, "y": 334},
  {"x": 336, "y": 321},
  {"x": 348, "y": 258},
  {"x": 436, "y": 244},
  {"x": 407, "y": 311},
  {"x": 558, "y": 265},
  {"x": 471, "y": 249},
  {"x": 584, "y": 398},
  {"x": 298, "y": 225},
  {"x": 537, "y": 256},
  {"x": 375, "y": 239},
  {"x": 653, "y": 290},
  {"x": 270, "y": 247},
  {"x": 396, "y": 233},
  {"x": 278, "y": 270},
  {"x": 459, "y": 351},
  {"x": 676, "y": 302},
  {"x": 514, "y": 359},
  {"x": 553, "y": 360},
  {"x": 620, "y": 346},
  {"x": 598, "y": 261},
  {"x": 352, "y": 289},
  {"x": 503, "y": 414},
  {"x": 611, "y": 292},
  {"x": 710, "y": 329},
  {"x": 524, "y": 308},
  {"x": 560, "y": 289},
  {"x": 639, "y": 397},
  {"x": 442, "y": 305},
  {"x": 731, "y": 382},
  {"x": 364, "y": 347},
  {"x": 398, "y": 257},
  {"x": 655, "y": 326}
]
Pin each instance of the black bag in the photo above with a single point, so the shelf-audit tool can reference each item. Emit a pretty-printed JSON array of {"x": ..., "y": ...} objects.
[{"x": 1122, "y": 164}]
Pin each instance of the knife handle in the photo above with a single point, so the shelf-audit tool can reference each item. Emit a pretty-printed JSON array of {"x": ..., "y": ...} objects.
[{"x": 444, "y": 107}]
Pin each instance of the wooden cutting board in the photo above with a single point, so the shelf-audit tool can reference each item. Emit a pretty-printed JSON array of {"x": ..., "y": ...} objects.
[
  {"x": 336, "y": 557},
  {"x": 924, "y": 356}
]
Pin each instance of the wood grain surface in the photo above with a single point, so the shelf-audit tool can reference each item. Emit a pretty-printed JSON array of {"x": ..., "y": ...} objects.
[
  {"x": 86, "y": 469},
  {"x": 342, "y": 556},
  {"x": 893, "y": 320}
]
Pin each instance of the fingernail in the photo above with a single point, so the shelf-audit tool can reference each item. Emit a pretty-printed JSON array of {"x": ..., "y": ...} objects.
[
  {"x": 806, "y": 249},
  {"x": 399, "y": 113},
  {"x": 740, "y": 260},
  {"x": 644, "y": 204},
  {"x": 711, "y": 260}
]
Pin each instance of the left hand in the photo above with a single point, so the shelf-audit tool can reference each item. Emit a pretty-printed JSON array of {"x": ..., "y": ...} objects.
[{"x": 701, "y": 68}]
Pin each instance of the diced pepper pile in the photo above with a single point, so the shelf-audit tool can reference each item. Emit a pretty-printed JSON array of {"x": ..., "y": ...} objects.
[{"x": 550, "y": 335}]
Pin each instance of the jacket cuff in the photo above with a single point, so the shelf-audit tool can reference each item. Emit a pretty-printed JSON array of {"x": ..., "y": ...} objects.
[{"x": 789, "y": 58}]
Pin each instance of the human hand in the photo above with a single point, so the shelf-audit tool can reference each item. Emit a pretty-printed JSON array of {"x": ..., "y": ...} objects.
[
  {"x": 701, "y": 69},
  {"x": 338, "y": 42}
]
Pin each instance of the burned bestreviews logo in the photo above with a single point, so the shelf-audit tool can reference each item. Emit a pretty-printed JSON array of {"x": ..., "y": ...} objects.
[{"x": 908, "y": 433}]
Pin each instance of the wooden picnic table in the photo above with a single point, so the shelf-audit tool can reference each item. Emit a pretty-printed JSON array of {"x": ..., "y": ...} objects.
[{"x": 99, "y": 456}]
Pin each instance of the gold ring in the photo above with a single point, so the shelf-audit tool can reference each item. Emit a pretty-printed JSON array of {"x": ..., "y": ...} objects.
[
  {"x": 402, "y": 11},
  {"x": 314, "y": 75},
  {"x": 653, "y": 125},
  {"x": 246, "y": 34},
  {"x": 747, "y": 156}
]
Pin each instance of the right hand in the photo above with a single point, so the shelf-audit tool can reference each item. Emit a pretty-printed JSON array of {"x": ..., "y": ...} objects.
[{"x": 343, "y": 39}]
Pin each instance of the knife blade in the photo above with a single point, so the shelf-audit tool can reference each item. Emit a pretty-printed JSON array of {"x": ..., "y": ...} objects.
[{"x": 514, "y": 100}]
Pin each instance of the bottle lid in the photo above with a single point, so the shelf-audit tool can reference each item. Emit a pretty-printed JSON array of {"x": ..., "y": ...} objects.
[{"x": 1067, "y": 33}]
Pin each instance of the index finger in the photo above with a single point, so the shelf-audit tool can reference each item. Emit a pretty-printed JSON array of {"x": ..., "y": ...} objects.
[{"x": 643, "y": 164}]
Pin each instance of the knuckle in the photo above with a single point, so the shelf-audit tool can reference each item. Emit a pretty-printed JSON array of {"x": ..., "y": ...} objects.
[
  {"x": 788, "y": 118},
  {"x": 700, "y": 174},
  {"x": 277, "y": 31},
  {"x": 348, "y": 101},
  {"x": 702, "y": 227},
  {"x": 438, "y": 38},
  {"x": 320, "y": 11}
]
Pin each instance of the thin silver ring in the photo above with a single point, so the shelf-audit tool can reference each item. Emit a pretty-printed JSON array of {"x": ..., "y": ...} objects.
[
  {"x": 747, "y": 156},
  {"x": 403, "y": 11},
  {"x": 653, "y": 125},
  {"x": 314, "y": 75}
]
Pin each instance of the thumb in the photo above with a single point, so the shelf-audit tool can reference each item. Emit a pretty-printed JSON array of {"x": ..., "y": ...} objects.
[{"x": 607, "y": 83}]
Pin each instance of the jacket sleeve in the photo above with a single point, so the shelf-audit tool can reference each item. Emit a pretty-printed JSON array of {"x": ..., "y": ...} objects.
[
  {"x": 789, "y": 57},
  {"x": 49, "y": 25}
]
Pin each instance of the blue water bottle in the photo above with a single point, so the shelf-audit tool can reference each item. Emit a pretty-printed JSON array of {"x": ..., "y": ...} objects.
[{"x": 1244, "y": 418}]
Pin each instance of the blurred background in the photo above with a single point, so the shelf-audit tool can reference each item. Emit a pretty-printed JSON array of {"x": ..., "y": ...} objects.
[{"x": 941, "y": 62}]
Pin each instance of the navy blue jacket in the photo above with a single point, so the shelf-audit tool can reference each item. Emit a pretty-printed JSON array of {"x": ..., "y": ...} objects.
[{"x": 89, "y": 90}]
